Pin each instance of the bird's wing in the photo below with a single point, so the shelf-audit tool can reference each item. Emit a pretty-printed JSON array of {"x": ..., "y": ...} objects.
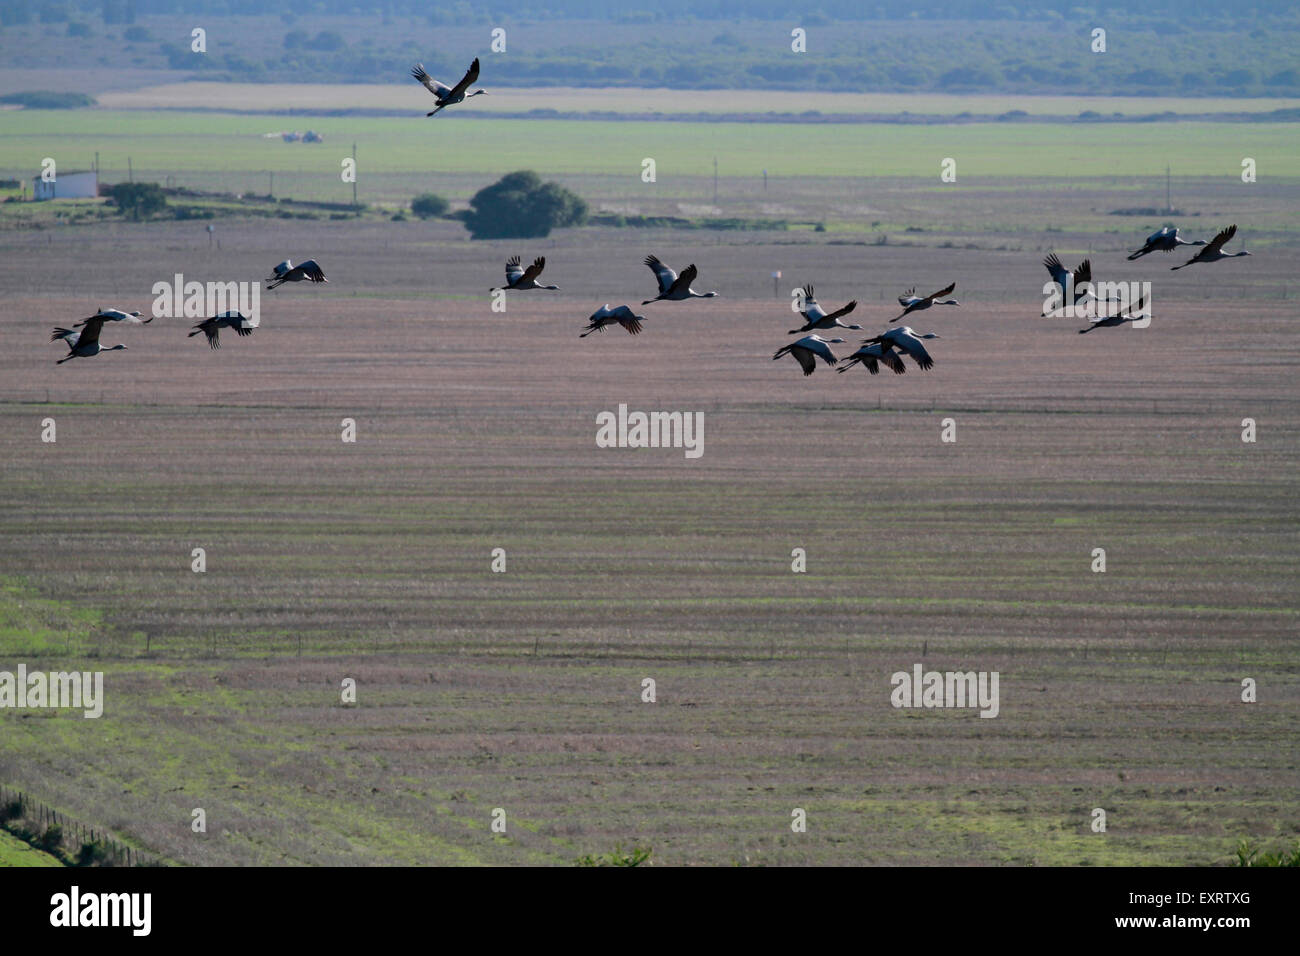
[
  {"x": 908, "y": 297},
  {"x": 844, "y": 311},
  {"x": 686, "y": 278},
  {"x": 470, "y": 76},
  {"x": 821, "y": 349},
  {"x": 513, "y": 270},
  {"x": 805, "y": 358},
  {"x": 90, "y": 331},
  {"x": 312, "y": 271},
  {"x": 1135, "y": 308},
  {"x": 812, "y": 311},
  {"x": 533, "y": 271},
  {"x": 915, "y": 348},
  {"x": 1083, "y": 273},
  {"x": 948, "y": 291},
  {"x": 282, "y": 268},
  {"x": 1219, "y": 241},
  {"x": 67, "y": 335},
  {"x": 212, "y": 330},
  {"x": 665, "y": 276},
  {"x": 439, "y": 90},
  {"x": 1053, "y": 265},
  {"x": 630, "y": 322},
  {"x": 243, "y": 324},
  {"x": 893, "y": 361}
]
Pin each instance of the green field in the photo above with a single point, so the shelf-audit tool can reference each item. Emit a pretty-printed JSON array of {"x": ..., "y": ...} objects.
[
  {"x": 14, "y": 852},
  {"x": 210, "y": 150}
]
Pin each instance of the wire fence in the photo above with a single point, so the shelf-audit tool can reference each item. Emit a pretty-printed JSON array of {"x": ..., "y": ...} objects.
[{"x": 74, "y": 831}]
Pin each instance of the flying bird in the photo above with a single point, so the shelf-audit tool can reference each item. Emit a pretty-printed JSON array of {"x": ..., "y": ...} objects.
[
  {"x": 448, "y": 95},
  {"x": 517, "y": 277},
  {"x": 1119, "y": 318},
  {"x": 674, "y": 287},
  {"x": 807, "y": 350},
  {"x": 212, "y": 327},
  {"x": 1164, "y": 239},
  {"x": 83, "y": 344},
  {"x": 116, "y": 315},
  {"x": 1061, "y": 277},
  {"x": 288, "y": 272},
  {"x": 911, "y": 302},
  {"x": 1213, "y": 251},
  {"x": 906, "y": 339},
  {"x": 606, "y": 316},
  {"x": 818, "y": 318},
  {"x": 872, "y": 357}
]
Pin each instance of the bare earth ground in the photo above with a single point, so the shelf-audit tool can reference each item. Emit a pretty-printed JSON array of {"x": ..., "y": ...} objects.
[{"x": 521, "y": 690}]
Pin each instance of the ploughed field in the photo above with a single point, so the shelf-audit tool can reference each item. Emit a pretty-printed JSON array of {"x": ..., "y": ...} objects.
[{"x": 522, "y": 690}]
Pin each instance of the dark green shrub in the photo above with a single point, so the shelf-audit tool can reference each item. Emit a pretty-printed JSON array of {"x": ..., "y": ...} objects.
[
  {"x": 521, "y": 206},
  {"x": 429, "y": 206}
]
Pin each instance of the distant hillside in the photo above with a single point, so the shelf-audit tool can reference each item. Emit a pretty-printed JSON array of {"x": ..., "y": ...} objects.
[{"x": 1030, "y": 50}]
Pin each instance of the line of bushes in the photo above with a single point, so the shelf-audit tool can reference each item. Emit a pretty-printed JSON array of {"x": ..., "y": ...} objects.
[
  {"x": 40, "y": 828},
  {"x": 48, "y": 100}
]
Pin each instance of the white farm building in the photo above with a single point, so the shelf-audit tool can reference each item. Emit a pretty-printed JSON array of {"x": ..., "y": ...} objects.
[{"x": 67, "y": 186}]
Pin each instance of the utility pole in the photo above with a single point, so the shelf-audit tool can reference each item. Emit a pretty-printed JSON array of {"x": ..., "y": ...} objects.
[
  {"x": 130, "y": 176},
  {"x": 96, "y": 162},
  {"x": 270, "y": 190}
]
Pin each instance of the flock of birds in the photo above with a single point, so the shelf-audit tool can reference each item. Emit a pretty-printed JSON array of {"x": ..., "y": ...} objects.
[
  {"x": 887, "y": 348},
  {"x": 82, "y": 339}
]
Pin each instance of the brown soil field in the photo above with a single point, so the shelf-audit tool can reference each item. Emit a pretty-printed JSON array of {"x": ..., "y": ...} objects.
[{"x": 522, "y": 690}]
